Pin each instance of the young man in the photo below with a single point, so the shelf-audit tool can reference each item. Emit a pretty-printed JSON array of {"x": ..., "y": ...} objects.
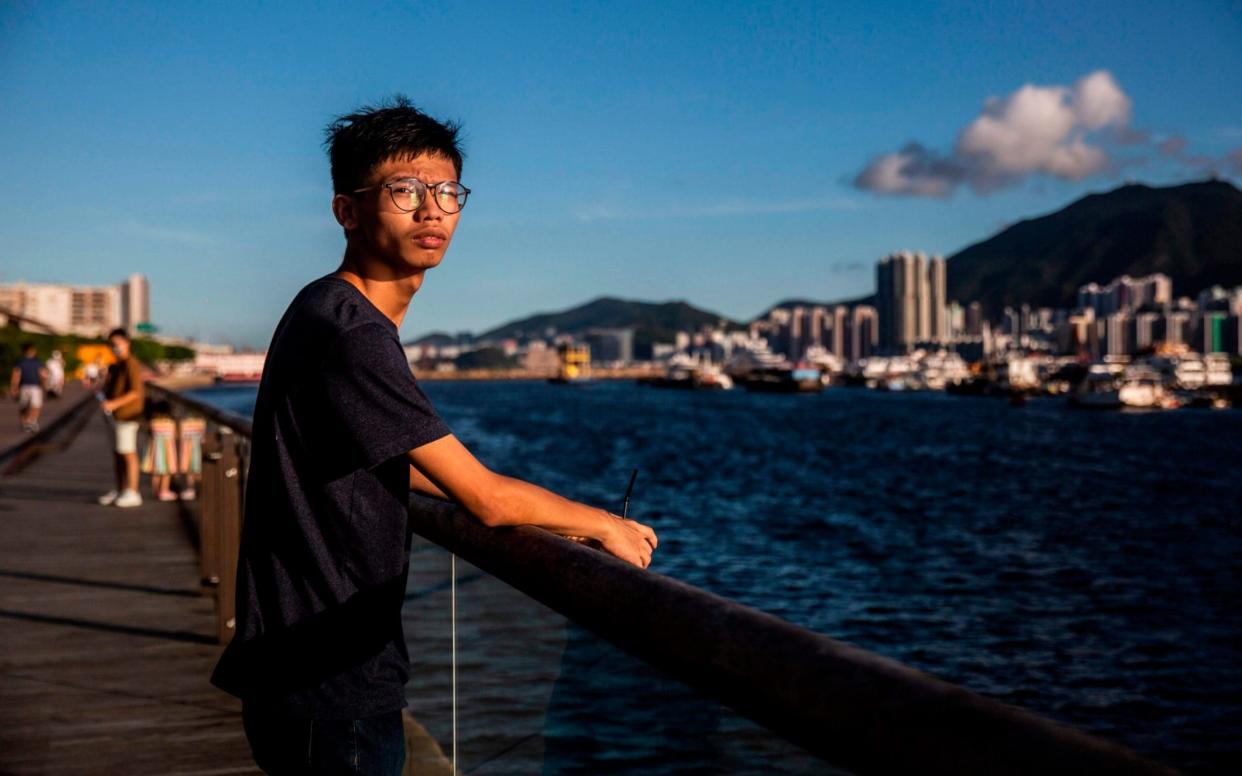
[
  {"x": 28, "y": 382},
  {"x": 342, "y": 432},
  {"x": 123, "y": 399}
]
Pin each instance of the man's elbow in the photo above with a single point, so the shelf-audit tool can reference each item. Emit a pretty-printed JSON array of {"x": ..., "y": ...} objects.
[
  {"x": 491, "y": 507},
  {"x": 491, "y": 513}
]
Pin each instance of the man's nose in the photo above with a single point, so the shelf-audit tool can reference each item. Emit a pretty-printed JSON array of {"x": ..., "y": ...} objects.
[{"x": 428, "y": 210}]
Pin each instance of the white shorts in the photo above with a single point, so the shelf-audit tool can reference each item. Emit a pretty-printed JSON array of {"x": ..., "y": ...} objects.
[
  {"x": 126, "y": 436},
  {"x": 30, "y": 397}
]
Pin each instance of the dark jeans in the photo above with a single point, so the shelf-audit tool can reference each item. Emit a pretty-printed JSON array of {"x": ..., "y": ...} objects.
[{"x": 289, "y": 745}]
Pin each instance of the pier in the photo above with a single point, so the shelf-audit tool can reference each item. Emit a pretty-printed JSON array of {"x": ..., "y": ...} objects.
[
  {"x": 110, "y": 634},
  {"x": 108, "y": 638}
]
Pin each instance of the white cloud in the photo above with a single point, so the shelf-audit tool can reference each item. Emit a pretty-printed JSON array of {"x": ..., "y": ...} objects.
[
  {"x": 913, "y": 170},
  {"x": 1036, "y": 130}
]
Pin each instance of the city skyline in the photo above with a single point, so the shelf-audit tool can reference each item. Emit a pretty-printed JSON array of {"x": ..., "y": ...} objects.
[{"x": 733, "y": 157}]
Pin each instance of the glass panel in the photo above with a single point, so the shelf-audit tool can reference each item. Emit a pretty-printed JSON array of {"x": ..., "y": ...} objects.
[{"x": 539, "y": 694}]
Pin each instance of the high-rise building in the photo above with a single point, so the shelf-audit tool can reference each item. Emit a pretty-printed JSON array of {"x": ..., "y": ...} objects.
[
  {"x": 911, "y": 300},
  {"x": 1126, "y": 294},
  {"x": 135, "y": 302},
  {"x": 864, "y": 332},
  {"x": 937, "y": 294}
]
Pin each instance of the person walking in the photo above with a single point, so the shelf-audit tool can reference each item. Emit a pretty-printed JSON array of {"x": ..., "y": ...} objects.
[
  {"x": 55, "y": 375},
  {"x": 28, "y": 382},
  {"x": 342, "y": 432},
  {"x": 123, "y": 401}
]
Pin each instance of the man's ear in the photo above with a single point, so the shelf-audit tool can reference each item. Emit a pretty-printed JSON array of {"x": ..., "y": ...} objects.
[{"x": 345, "y": 209}]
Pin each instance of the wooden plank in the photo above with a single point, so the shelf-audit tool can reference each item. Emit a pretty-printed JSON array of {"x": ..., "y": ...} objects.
[{"x": 107, "y": 644}]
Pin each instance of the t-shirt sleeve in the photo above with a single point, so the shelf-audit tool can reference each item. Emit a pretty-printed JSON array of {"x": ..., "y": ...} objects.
[{"x": 381, "y": 408}]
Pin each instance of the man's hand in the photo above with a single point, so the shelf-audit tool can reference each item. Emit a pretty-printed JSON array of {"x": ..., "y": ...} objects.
[{"x": 631, "y": 541}]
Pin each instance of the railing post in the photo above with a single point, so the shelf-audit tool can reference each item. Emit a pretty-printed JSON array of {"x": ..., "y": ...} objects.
[
  {"x": 228, "y": 526},
  {"x": 209, "y": 509}
]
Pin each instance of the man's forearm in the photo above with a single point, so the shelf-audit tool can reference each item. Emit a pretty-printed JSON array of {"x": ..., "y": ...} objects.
[
  {"x": 122, "y": 400},
  {"x": 516, "y": 502}
]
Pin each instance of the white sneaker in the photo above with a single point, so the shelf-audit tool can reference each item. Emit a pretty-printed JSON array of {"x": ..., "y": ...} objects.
[
  {"x": 129, "y": 498},
  {"x": 109, "y": 498}
]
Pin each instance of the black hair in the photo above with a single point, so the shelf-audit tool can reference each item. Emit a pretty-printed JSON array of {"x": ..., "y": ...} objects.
[
  {"x": 28, "y": 346},
  {"x": 119, "y": 333},
  {"x": 159, "y": 407},
  {"x": 372, "y": 135}
]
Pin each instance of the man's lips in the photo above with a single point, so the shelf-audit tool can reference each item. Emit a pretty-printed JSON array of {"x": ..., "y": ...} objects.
[{"x": 430, "y": 238}]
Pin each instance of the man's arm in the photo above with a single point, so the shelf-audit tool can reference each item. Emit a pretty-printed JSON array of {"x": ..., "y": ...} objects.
[
  {"x": 498, "y": 500},
  {"x": 17, "y": 377},
  {"x": 420, "y": 483},
  {"x": 111, "y": 404}
]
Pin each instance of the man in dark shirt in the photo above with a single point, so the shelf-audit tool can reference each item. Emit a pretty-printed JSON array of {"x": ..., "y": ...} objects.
[
  {"x": 29, "y": 379},
  {"x": 342, "y": 432}
]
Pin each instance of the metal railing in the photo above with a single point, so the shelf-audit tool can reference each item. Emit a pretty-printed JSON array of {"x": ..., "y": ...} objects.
[{"x": 851, "y": 707}]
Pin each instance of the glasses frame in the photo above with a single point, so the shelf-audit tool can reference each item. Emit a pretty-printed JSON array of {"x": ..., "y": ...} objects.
[{"x": 426, "y": 187}]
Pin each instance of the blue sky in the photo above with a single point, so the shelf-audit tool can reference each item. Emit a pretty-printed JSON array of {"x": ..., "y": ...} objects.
[{"x": 699, "y": 151}]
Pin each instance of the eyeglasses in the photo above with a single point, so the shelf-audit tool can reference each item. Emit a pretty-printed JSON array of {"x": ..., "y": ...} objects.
[{"x": 408, "y": 194}]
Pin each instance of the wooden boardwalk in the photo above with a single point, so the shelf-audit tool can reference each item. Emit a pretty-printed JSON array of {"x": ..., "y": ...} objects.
[
  {"x": 10, "y": 430},
  {"x": 106, "y": 641}
]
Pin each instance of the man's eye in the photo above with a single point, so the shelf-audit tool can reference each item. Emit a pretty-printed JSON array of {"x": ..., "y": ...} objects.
[{"x": 402, "y": 189}]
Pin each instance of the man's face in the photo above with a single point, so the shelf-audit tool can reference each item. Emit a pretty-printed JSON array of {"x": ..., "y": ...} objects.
[
  {"x": 120, "y": 346},
  {"x": 402, "y": 242}
]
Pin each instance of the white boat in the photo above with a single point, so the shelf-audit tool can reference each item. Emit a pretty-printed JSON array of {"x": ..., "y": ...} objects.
[{"x": 1098, "y": 391}]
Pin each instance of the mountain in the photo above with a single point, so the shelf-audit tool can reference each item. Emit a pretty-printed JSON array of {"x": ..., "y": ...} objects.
[
  {"x": 437, "y": 339},
  {"x": 651, "y": 321},
  {"x": 1191, "y": 232}
]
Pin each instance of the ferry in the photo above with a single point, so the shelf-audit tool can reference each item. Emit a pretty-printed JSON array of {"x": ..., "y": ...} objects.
[
  {"x": 690, "y": 374},
  {"x": 575, "y": 366}
]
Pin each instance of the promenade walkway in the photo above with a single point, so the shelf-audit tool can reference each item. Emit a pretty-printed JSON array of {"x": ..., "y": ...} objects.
[
  {"x": 10, "y": 431},
  {"x": 106, "y": 641}
]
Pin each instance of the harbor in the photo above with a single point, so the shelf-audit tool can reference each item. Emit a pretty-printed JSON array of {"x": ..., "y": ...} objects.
[{"x": 908, "y": 523}]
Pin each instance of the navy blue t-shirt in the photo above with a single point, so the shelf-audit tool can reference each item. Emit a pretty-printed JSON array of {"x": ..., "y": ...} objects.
[
  {"x": 30, "y": 368},
  {"x": 325, "y": 543}
]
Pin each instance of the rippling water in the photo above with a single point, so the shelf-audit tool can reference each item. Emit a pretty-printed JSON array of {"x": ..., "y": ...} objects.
[{"x": 1085, "y": 566}]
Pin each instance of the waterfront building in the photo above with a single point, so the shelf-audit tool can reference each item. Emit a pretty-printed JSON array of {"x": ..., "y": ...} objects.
[
  {"x": 838, "y": 340},
  {"x": 135, "y": 297},
  {"x": 864, "y": 332},
  {"x": 88, "y": 311},
  {"x": 1212, "y": 332},
  {"x": 610, "y": 346},
  {"x": 911, "y": 300},
  {"x": 1146, "y": 330},
  {"x": 955, "y": 316},
  {"x": 1127, "y": 294},
  {"x": 937, "y": 294},
  {"x": 974, "y": 320}
]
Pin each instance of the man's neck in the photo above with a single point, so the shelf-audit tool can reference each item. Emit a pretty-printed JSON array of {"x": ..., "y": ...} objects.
[{"x": 391, "y": 294}]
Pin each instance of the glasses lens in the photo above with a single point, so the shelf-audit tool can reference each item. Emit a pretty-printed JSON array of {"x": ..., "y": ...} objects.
[
  {"x": 450, "y": 196},
  {"x": 407, "y": 195}
]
